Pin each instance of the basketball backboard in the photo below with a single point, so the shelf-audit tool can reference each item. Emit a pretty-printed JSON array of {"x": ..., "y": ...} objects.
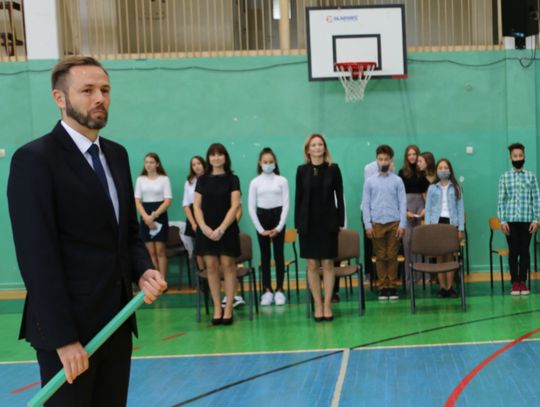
[{"x": 356, "y": 34}]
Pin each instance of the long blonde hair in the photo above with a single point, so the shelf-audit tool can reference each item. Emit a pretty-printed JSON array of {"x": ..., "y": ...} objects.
[{"x": 327, "y": 156}]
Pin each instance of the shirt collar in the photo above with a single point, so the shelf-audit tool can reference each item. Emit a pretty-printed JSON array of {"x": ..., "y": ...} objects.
[{"x": 82, "y": 142}]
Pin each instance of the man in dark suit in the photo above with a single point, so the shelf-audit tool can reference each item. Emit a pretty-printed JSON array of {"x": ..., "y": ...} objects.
[{"x": 72, "y": 210}]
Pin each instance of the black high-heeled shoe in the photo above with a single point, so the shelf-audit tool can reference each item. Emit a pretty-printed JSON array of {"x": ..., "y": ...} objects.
[
  {"x": 318, "y": 319},
  {"x": 218, "y": 321},
  {"x": 228, "y": 321},
  {"x": 330, "y": 318}
]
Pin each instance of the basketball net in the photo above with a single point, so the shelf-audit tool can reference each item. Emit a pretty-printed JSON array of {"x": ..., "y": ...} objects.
[{"x": 354, "y": 80}]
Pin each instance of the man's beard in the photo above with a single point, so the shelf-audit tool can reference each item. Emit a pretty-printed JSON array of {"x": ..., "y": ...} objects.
[{"x": 85, "y": 119}]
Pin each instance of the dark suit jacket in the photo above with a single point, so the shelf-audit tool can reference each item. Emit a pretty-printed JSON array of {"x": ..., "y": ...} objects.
[
  {"x": 333, "y": 204},
  {"x": 76, "y": 260}
]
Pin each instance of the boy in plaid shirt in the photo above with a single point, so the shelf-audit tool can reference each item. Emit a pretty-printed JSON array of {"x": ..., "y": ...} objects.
[{"x": 518, "y": 210}]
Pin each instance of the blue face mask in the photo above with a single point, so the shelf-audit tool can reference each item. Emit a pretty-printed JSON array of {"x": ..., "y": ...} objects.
[
  {"x": 268, "y": 168},
  {"x": 443, "y": 174}
]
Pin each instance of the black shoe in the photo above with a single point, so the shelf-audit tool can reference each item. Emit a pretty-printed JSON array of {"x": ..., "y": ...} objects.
[
  {"x": 330, "y": 318},
  {"x": 318, "y": 319},
  {"x": 392, "y": 294},
  {"x": 442, "y": 293},
  {"x": 383, "y": 294},
  {"x": 227, "y": 321},
  {"x": 218, "y": 321},
  {"x": 335, "y": 298},
  {"x": 451, "y": 293}
]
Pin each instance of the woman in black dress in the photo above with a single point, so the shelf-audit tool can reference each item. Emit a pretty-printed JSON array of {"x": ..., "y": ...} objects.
[
  {"x": 319, "y": 214},
  {"x": 217, "y": 200}
]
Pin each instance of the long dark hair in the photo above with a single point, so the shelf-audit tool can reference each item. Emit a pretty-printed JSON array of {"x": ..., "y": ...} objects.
[
  {"x": 406, "y": 169},
  {"x": 218, "y": 148},
  {"x": 267, "y": 150},
  {"x": 159, "y": 169},
  {"x": 430, "y": 162},
  {"x": 191, "y": 173},
  {"x": 452, "y": 178}
]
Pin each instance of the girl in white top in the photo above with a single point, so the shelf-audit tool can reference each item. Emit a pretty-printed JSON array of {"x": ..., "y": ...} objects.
[
  {"x": 268, "y": 205},
  {"x": 153, "y": 195},
  {"x": 197, "y": 167}
]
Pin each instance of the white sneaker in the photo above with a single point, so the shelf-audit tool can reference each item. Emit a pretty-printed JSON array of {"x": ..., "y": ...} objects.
[
  {"x": 223, "y": 302},
  {"x": 267, "y": 299},
  {"x": 238, "y": 300},
  {"x": 279, "y": 298}
]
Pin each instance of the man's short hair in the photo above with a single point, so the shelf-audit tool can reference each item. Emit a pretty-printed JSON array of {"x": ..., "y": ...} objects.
[
  {"x": 516, "y": 146},
  {"x": 385, "y": 149},
  {"x": 61, "y": 69}
]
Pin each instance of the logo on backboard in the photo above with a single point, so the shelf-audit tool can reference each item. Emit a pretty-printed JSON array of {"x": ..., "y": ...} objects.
[{"x": 340, "y": 19}]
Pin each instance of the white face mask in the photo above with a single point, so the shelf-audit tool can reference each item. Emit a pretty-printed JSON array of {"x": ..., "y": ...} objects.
[{"x": 268, "y": 168}]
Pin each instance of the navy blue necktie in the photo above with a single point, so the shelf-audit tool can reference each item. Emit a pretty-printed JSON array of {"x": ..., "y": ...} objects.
[{"x": 98, "y": 167}]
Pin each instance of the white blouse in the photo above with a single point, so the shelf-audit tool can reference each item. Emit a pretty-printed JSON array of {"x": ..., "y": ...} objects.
[
  {"x": 189, "y": 192},
  {"x": 153, "y": 190},
  {"x": 268, "y": 191},
  {"x": 445, "y": 211}
]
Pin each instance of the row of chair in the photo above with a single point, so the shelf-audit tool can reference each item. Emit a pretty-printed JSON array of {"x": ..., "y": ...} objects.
[{"x": 428, "y": 241}]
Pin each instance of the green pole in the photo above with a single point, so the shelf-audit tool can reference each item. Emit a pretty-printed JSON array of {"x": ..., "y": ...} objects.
[{"x": 58, "y": 380}]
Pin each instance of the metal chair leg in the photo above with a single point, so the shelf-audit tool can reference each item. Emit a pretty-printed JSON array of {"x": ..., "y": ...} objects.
[
  {"x": 413, "y": 293},
  {"x": 462, "y": 288},
  {"x": 491, "y": 268},
  {"x": 502, "y": 277},
  {"x": 198, "y": 299}
]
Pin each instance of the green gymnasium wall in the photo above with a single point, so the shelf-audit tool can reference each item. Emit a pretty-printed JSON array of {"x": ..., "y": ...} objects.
[{"x": 178, "y": 107}]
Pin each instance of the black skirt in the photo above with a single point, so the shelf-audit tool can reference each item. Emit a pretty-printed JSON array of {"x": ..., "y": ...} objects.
[
  {"x": 228, "y": 245},
  {"x": 163, "y": 234},
  {"x": 189, "y": 230},
  {"x": 319, "y": 243}
]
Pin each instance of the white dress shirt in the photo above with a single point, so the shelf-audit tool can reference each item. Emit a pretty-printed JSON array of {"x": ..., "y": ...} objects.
[
  {"x": 153, "y": 190},
  {"x": 83, "y": 144},
  {"x": 189, "y": 192}
]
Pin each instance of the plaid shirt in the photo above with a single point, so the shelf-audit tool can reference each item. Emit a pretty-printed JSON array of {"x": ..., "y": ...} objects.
[{"x": 518, "y": 197}]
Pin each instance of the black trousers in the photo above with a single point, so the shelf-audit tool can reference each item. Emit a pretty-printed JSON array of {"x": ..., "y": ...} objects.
[
  {"x": 106, "y": 381},
  {"x": 269, "y": 219},
  {"x": 518, "y": 243}
]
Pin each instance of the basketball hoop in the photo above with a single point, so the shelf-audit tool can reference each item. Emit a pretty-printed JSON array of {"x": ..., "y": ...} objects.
[{"x": 354, "y": 78}]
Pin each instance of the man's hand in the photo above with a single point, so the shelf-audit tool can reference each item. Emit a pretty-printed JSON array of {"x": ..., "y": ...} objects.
[
  {"x": 505, "y": 228},
  {"x": 400, "y": 233},
  {"x": 273, "y": 233},
  {"x": 533, "y": 227},
  {"x": 152, "y": 284},
  {"x": 369, "y": 233},
  {"x": 74, "y": 359}
]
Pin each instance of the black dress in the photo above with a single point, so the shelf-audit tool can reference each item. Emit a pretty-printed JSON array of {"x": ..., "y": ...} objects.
[
  {"x": 320, "y": 196},
  {"x": 216, "y": 201}
]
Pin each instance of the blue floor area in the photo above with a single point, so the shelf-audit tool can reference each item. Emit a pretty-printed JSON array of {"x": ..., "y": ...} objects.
[{"x": 415, "y": 376}]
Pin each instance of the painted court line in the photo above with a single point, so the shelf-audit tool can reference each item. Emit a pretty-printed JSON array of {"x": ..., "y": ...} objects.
[
  {"x": 367, "y": 348},
  {"x": 341, "y": 378},
  {"x": 473, "y": 373}
]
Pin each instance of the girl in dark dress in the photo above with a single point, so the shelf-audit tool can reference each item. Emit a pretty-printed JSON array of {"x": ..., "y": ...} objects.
[
  {"x": 217, "y": 200},
  {"x": 197, "y": 167},
  {"x": 319, "y": 215},
  {"x": 416, "y": 186},
  {"x": 153, "y": 195}
]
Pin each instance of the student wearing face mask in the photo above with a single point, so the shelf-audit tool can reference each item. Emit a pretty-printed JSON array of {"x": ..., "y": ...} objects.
[
  {"x": 518, "y": 211},
  {"x": 268, "y": 206},
  {"x": 444, "y": 204},
  {"x": 384, "y": 211}
]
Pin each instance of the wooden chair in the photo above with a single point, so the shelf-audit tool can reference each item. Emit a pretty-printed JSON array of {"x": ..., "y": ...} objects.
[
  {"x": 348, "y": 251},
  {"x": 244, "y": 268},
  {"x": 429, "y": 241}
]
